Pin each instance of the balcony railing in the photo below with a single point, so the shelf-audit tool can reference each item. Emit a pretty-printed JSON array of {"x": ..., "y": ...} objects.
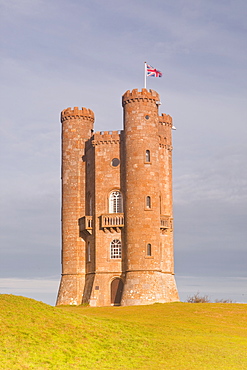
[
  {"x": 112, "y": 221},
  {"x": 115, "y": 221},
  {"x": 165, "y": 222}
]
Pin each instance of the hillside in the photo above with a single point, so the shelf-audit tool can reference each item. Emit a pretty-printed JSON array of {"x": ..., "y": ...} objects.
[{"x": 161, "y": 336}]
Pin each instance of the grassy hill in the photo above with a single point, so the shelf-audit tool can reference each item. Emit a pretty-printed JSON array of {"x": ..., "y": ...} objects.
[{"x": 161, "y": 336}]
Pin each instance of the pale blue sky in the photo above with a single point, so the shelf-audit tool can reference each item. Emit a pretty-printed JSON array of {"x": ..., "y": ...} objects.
[{"x": 59, "y": 54}]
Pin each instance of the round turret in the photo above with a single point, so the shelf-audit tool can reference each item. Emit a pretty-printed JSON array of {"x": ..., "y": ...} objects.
[
  {"x": 77, "y": 126},
  {"x": 142, "y": 201},
  {"x": 83, "y": 113}
]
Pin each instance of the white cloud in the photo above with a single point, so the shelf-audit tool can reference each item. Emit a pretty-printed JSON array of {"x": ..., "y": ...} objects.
[
  {"x": 214, "y": 287},
  {"x": 216, "y": 178},
  {"x": 44, "y": 290},
  {"x": 22, "y": 286},
  {"x": 71, "y": 53}
]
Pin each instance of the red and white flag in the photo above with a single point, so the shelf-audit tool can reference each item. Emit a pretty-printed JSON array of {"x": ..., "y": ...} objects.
[{"x": 152, "y": 72}]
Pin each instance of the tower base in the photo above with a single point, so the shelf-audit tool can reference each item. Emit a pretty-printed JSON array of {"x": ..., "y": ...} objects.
[
  {"x": 71, "y": 289},
  {"x": 103, "y": 289},
  {"x": 148, "y": 287}
]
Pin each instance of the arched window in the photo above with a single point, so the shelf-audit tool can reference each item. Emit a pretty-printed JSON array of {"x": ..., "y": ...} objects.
[
  {"x": 149, "y": 249},
  {"x": 148, "y": 202},
  {"x": 116, "y": 249},
  {"x": 147, "y": 158},
  {"x": 115, "y": 202}
]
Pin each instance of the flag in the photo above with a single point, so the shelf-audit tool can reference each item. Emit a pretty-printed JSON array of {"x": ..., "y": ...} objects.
[{"x": 152, "y": 72}]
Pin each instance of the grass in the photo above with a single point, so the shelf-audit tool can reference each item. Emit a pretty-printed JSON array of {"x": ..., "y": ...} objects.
[{"x": 170, "y": 336}]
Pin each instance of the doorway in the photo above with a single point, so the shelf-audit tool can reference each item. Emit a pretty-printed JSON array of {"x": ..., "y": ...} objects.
[{"x": 116, "y": 291}]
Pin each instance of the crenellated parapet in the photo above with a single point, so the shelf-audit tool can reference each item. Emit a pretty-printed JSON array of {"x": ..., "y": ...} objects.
[
  {"x": 106, "y": 137},
  {"x": 165, "y": 120},
  {"x": 164, "y": 143},
  {"x": 74, "y": 113},
  {"x": 143, "y": 95}
]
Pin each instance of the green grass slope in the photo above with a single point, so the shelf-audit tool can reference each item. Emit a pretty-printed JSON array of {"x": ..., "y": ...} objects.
[{"x": 161, "y": 336}]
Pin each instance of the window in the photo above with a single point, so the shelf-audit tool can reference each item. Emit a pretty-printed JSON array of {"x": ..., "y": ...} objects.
[
  {"x": 148, "y": 202},
  {"x": 116, "y": 249},
  {"x": 88, "y": 252},
  {"x": 115, "y": 162},
  {"x": 147, "y": 158},
  {"x": 149, "y": 250},
  {"x": 90, "y": 205},
  {"x": 115, "y": 202}
]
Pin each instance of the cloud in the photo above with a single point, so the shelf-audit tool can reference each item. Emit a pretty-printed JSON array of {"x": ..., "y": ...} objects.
[
  {"x": 28, "y": 285},
  {"x": 63, "y": 54},
  {"x": 214, "y": 287},
  {"x": 21, "y": 7},
  {"x": 39, "y": 289},
  {"x": 220, "y": 177}
]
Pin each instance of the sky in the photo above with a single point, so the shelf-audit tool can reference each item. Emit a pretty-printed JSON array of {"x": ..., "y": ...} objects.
[{"x": 64, "y": 53}]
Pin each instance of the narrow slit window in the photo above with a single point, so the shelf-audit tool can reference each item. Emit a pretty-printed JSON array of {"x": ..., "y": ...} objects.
[
  {"x": 149, "y": 249},
  {"x": 148, "y": 202},
  {"x": 147, "y": 156},
  {"x": 88, "y": 252},
  {"x": 90, "y": 206}
]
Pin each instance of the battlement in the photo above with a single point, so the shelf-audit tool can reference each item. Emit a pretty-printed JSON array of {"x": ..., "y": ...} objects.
[
  {"x": 143, "y": 95},
  {"x": 84, "y": 113},
  {"x": 164, "y": 143},
  {"x": 165, "y": 119},
  {"x": 106, "y": 137},
  {"x": 104, "y": 134}
]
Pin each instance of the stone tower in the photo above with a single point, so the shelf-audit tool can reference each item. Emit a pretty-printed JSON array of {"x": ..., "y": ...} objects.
[
  {"x": 117, "y": 221},
  {"x": 77, "y": 126}
]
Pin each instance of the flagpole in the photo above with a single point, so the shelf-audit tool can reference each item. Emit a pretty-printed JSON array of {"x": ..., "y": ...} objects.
[{"x": 145, "y": 75}]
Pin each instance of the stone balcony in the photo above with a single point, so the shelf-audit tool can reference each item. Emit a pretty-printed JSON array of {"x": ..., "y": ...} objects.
[
  {"x": 86, "y": 224},
  {"x": 166, "y": 223},
  {"x": 112, "y": 222}
]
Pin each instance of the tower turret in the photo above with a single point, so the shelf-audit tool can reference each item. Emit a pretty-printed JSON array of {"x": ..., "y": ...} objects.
[
  {"x": 145, "y": 280},
  {"x": 77, "y": 126},
  {"x": 166, "y": 202}
]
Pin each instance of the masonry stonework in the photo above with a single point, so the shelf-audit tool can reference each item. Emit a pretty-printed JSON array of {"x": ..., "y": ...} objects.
[{"x": 117, "y": 220}]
